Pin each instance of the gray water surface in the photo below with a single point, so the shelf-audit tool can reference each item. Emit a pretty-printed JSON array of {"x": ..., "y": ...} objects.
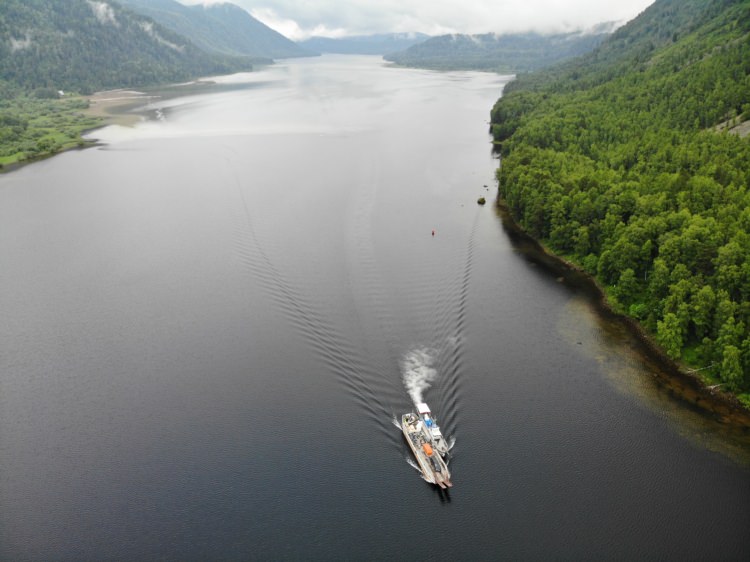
[{"x": 207, "y": 323}]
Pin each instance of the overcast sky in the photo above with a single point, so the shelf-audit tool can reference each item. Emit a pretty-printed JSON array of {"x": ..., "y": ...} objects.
[{"x": 299, "y": 19}]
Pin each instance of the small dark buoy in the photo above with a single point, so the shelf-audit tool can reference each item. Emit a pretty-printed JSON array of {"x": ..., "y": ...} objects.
[
  {"x": 481, "y": 201},
  {"x": 433, "y": 232}
]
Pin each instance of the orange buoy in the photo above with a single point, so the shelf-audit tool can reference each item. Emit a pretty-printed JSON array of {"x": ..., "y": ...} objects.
[{"x": 427, "y": 449}]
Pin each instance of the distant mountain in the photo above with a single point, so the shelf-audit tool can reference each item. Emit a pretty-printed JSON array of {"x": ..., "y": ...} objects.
[
  {"x": 379, "y": 44},
  {"x": 87, "y": 45},
  {"x": 222, "y": 28},
  {"x": 510, "y": 53},
  {"x": 664, "y": 23}
]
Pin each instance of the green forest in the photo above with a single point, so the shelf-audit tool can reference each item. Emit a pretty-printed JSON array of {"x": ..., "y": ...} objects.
[
  {"x": 630, "y": 162},
  {"x": 33, "y": 127},
  {"x": 507, "y": 53},
  {"x": 88, "y": 46},
  {"x": 48, "y": 46}
]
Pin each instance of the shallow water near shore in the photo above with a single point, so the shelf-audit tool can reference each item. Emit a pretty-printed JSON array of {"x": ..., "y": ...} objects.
[{"x": 210, "y": 318}]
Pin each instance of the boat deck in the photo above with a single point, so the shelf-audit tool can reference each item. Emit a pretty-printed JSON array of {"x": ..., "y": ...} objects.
[{"x": 433, "y": 466}]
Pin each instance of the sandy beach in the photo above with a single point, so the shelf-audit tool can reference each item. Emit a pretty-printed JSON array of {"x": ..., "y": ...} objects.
[{"x": 115, "y": 106}]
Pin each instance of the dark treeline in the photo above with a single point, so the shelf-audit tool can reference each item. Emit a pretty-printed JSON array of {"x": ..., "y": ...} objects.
[{"x": 622, "y": 162}]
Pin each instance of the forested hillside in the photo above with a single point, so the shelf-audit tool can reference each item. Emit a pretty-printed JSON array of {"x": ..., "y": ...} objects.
[
  {"x": 629, "y": 162},
  {"x": 508, "y": 53},
  {"x": 377, "y": 44},
  {"x": 87, "y": 45},
  {"x": 223, "y": 28}
]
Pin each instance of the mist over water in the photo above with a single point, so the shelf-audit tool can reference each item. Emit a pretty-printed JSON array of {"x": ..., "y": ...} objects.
[{"x": 213, "y": 322}]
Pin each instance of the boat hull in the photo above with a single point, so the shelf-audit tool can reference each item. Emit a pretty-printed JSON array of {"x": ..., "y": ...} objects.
[{"x": 430, "y": 463}]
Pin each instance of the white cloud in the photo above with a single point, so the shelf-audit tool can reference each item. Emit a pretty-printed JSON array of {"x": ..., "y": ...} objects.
[
  {"x": 103, "y": 12},
  {"x": 299, "y": 19},
  {"x": 20, "y": 44},
  {"x": 148, "y": 27}
]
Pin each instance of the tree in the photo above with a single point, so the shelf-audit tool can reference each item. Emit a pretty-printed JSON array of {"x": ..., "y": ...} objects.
[
  {"x": 669, "y": 335},
  {"x": 703, "y": 304},
  {"x": 627, "y": 287},
  {"x": 731, "y": 368}
]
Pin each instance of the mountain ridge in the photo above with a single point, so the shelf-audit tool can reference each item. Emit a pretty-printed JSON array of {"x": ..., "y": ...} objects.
[
  {"x": 506, "y": 53},
  {"x": 223, "y": 28},
  {"x": 374, "y": 44},
  {"x": 87, "y": 45}
]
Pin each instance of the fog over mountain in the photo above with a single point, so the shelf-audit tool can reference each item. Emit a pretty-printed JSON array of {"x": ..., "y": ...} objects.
[
  {"x": 301, "y": 19},
  {"x": 376, "y": 44},
  {"x": 223, "y": 28}
]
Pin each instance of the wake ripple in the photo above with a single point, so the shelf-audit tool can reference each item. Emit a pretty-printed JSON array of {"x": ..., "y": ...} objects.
[
  {"x": 449, "y": 347},
  {"x": 336, "y": 353},
  {"x": 441, "y": 305}
]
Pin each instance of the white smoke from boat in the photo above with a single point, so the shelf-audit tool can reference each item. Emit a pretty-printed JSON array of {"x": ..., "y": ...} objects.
[{"x": 418, "y": 372}]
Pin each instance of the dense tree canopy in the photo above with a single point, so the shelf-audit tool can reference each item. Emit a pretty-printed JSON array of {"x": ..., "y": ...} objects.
[{"x": 623, "y": 162}]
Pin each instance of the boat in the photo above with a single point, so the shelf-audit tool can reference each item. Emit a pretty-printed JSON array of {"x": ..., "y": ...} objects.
[
  {"x": 428, "y": 445},
  {"x": 438, "y": 441}
]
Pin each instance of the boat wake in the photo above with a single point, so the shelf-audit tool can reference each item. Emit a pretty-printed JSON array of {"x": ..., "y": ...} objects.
[
  {"x": 367, "y": 352},
  {"x": 256, "y": 251},
  {"x": 414, "y": 465},
  {"x": 411, "y": 463}
]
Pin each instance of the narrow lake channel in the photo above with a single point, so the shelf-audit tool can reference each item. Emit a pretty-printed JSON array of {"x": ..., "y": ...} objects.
[{"x": 211, "y": 321}]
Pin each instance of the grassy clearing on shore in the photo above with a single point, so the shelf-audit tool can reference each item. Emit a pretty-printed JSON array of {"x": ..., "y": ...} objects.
[{"x": 33, "y": 128}]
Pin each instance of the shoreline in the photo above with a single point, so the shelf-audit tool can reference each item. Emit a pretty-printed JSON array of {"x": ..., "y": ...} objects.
[
  {"x": 108, "y": 107},
  {"x": 677, "y": 377},
  {"x": 115, "y": 107},
  {"x": 111, "y": 106},
  {"x": 118, "y": 107}
]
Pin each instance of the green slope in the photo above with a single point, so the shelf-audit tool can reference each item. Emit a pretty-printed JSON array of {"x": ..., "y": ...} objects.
[
  {"x": 615, "y": 161},
  {"x": 86, "y": 45},
  {"x": 223, "y": 28},
  {"x": 509, "y": 53}
]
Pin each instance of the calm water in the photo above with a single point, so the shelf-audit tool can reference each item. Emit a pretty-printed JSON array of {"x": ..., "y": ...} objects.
[{"x": 208, "y": 323}]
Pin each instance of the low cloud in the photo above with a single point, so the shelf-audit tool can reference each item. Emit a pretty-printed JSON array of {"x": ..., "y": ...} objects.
[
  {"x": 148, "y": 27},
  {"x": 103, "y": 12},
  {"x": 299, "y": 19},
  {"x": 20, "y": 44}
]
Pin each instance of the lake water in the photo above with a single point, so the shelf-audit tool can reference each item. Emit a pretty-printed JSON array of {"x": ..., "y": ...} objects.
[{"x": 210, "y": 321}]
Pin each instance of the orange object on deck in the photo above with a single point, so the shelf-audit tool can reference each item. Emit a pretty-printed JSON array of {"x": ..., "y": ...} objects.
[{"x": 427, "y": 449}]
